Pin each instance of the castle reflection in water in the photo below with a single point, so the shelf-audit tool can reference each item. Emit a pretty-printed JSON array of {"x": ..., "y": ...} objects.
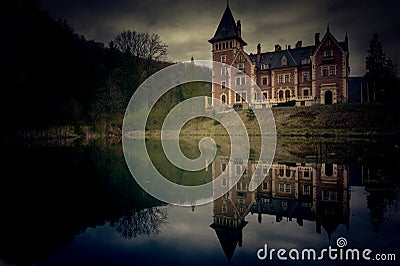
[{"x": 317, "y": 192}]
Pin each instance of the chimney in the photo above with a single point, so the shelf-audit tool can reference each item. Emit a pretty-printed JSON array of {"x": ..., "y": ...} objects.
[
  {"x": 258, "y": 52},
  {"x": 299, "y": 44},
  {"x": 239, "y": 28},
  {"x": 316, "y": 38},
  {"x": 277, "y": 47}
]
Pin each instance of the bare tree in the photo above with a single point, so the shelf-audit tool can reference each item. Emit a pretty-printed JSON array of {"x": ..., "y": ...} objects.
[
  {"x": 144, "y": 49},
  {"x": 141, "y": 222}
]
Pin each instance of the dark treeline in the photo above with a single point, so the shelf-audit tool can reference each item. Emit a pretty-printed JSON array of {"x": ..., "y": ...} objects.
[
  {"x": 382, "y": 78},
  {"x": 53, "y": 76}
]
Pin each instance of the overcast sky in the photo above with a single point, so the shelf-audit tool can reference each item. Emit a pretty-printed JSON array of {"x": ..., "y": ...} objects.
[{"x": 187, "y": 25}]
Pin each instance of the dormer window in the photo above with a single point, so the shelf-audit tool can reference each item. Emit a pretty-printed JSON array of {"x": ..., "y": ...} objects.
[
  {"x": 264, "y": 66},
  {"x": 284, "y": 61}
]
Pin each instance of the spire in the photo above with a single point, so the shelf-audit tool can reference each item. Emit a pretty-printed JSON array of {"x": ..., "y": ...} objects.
[
  {"x": 227, "y": 28},
  {"x": 346, "y": 42}
]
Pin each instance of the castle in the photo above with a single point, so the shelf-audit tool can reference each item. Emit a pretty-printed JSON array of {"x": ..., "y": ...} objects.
[
  {"x": 299, "y": 75},
  {"x": 295, "y": 192}
]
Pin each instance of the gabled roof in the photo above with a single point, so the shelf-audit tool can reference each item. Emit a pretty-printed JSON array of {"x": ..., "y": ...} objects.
[
  {"x": 227, "y": 28},
  {"x": 293, "y": 57}
]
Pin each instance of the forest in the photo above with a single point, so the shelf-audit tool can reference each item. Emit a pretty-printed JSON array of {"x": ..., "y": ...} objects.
[{"x": 53, "y": 76}]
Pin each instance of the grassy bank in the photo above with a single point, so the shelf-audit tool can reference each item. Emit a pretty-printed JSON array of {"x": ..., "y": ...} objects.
[{"x": 344, "y": 120}]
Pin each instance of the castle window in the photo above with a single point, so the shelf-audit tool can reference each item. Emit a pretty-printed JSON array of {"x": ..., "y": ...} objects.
[
  {"x": 287, "y": 94},
  {"x": 255, "y": 96},
  {"x": 265, "y": 169},
  {"x": 288, "y": 188},
  {"x": 223, "y": 84},
  {"x": 230, "y": 44},
  {"x": 287, "y": 78},
  {"x": 306, "y": 76},
  {"x": 266, "y": 97},
  {"x": 223, "y": 58},
  {"x": 223, "y": 166},
  {"x": 306, "y": 173},
  {"x": 287, "y": 172},
  {"x": 325, "y": 71},
  {"x": 264, "y": 81},
  {"x": 265, "y": 186},
  {"x": 238, "y": 170},
  {"x": 328, "y": 53},
  {"x": 223, "y": 181},
  {"x": 280, "y": 77},
  {"x": 281, "y": 187},
  {"x": 243, "y": 80},
  {"x": 223, "y": 98},
  {"x": 284, "y": 61},
  {"x": 329, "y": 195},
  {"x": 223, "y": 46},
  {"x": 223, "y": 71},
  {"x": 244, "y": 95},
  {"x": 223, "y": 208},
  {"x": 305, "y": 61},
  {"x": 237, "y": 81},
  {"x": 329, "y": 169},
  {"x": 306, "y": 189},
  {"x": 332, "y": 71},
  {"x": 241, "y": 67},
  {"x": 237, "y": 97},
  {"x": 305, "y": 94},
  {"x": 280, "y": 95}
]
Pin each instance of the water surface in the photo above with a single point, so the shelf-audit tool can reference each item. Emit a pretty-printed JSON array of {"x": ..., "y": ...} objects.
[{"x": 78, "y": 205}]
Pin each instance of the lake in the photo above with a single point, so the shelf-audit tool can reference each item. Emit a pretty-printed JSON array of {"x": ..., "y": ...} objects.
[{"x": 75, "y": 204}]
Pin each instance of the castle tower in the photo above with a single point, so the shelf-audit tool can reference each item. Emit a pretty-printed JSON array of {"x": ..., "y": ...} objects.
[{"x": 227, "y": 47}]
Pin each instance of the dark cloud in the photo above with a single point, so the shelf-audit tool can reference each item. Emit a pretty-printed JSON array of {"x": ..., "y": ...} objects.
[{"x": 187, "y": 25}]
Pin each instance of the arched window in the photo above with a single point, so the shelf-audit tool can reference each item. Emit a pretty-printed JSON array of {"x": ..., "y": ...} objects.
[
  {"x": 287, "y": 94},
  {"x": 223, "y": 98},
  {"x": 281, "y": 172},
  {"x": 287, "y": 172},
  {"x": 280, "y": 94}
]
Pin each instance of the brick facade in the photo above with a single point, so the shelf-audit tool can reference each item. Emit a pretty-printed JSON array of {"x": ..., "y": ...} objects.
[{"x": 314, "y": 74}]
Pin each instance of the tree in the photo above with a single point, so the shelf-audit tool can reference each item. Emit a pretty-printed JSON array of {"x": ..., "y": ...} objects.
[
  {"x": 144, "y": 49},
  {"x": 376, "y": 57},
  {"x": 109, "y": 104},
  {"x": 382, "y": 72}
]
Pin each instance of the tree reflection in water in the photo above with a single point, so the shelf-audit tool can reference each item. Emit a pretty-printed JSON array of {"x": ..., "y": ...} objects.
[{"x": 141, "y": 222}]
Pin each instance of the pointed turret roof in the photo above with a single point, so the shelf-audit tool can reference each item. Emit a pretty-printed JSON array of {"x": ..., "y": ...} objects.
[
  {"x": 227, "y": 28},
  {"x": 229, "y": 238}
]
